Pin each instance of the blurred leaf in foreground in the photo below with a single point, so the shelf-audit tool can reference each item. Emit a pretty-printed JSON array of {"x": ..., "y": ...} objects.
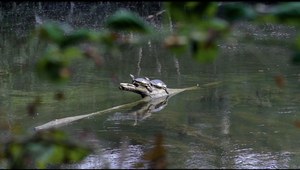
[
  {"x": 43, "y": 150},
  {"x": 124, "y": 20},
  {"x": 203, "y": 46},
  {"x": 51, "y": 32},
  {"x": 187, "y": 12},
  {"x": 233, "y": 11},
  {"x": 287, "y": 12},
  {"x": 76, "y": 37},
  {"x": 176, "y": 43},
  {"x": 296, "y": 55},
  {"x": 53, "y": 66}
]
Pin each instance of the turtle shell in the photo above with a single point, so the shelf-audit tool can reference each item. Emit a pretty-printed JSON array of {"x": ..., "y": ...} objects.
[
  {"x": 158, "y": 83},
  {"x": 141, "y": 80}
]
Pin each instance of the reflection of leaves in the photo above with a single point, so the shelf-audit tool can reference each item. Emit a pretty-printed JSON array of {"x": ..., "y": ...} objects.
[
  {"x": 297, "y": 123},
  {"x": 157, "y": 155},
  {"x": 280, "y": 81},
  {"x": 59, "y": 95},
  {"x": 32, "y": 107},
  {"x": 43, "y": 149},
  {"x": 127, "y": 21}
]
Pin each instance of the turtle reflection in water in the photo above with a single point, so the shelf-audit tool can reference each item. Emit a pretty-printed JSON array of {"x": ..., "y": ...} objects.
[{"x": 142, "y": 110}]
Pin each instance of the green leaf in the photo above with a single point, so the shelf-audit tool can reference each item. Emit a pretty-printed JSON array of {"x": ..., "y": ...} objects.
[
  {"x": 71, "y": 53},
  {"x": 204, "y": 52},
  {"x": 75, "y": 38},
  {"x": 218, "y": 25},
  {"x": 187, "y": 12},
  {"x": 296, "y": 57},
  {"x": 124, "y": 20},
  {"x": 237, "y": 11},
  {"x": 51, "y": 32},
  {"x": 51, "y": 147},
  {"x": 53, "y": 66},
  {"x": 176, "y": 44},
  {"x": 77, "y": 154},
  {"x": 298, "y": 42},
  {"x": 287, "y": 11}
]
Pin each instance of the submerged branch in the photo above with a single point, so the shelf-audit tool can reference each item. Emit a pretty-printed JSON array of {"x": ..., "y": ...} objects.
[{"x": 64, "y": 121}]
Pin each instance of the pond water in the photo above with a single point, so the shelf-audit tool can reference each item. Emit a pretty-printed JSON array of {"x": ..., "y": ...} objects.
[{"x": 246, "y": 121}]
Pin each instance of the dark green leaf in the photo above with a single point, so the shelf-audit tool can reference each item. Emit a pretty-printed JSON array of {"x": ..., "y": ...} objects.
[
  {"x": 296, "y": 57},
  {"x": 187, "y": 12},
  {"x": 53, "y": 66},
  {"x": 176, "y": 44},
  {"x": 75, "y": 38},
  {"x": 77, "y": 154},
  {"x": 287, "y": 11},
  {"x": 203, "y": 51},
  {"x": 237, "y": 11},
  {"x": 51, "y": 32},
  {"x": 44, "y": 148},
  {"x": 218, "y": 25},
  {"x": 127, "y": 21}
]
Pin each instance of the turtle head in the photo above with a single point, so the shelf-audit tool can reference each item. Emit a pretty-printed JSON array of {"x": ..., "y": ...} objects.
[{"x": 132, "y": 76}]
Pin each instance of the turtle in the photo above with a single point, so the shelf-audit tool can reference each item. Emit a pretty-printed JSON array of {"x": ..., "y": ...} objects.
[
  {"x": 159, "y": 84},
  {"x": 141, "y": 81}
]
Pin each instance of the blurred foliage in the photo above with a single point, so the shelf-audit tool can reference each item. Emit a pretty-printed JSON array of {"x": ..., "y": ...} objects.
[
  {"x": 43, "y": 150},
  {"x": 288, "y": 12},
  {"x": 124, "y": 20},
  {"x": 198, "y": 26},
  {"x": 196, "y": 22},
  {"x": 296, "y": 55},
  {"x": 54, "y": 65},
  {"x": 236, "y": 11}
]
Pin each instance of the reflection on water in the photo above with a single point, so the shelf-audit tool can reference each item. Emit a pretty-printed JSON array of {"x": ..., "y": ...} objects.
[
  {"x": 250, "y": 159},
  {"x": 141, "y": 111},
  {"x": 113, "y": 158},
  {"x": 246, "y": 122}
]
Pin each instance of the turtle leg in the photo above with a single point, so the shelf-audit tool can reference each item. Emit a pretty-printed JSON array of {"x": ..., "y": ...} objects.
[
  {"x": 166, "y": 90},
  {"x": 149, "y": 88}
]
